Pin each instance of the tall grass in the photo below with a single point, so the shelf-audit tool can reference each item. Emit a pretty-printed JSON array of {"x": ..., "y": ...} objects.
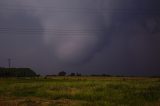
[{"x": 82, "y": 91}]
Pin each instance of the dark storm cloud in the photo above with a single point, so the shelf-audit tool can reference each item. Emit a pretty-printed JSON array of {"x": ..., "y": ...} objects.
[
  {"x": 78, "y": 31},
  {"x": 20, "y": 35},
  {"x": 136, "y": 36},
  {"x": 88, "y": 35}
]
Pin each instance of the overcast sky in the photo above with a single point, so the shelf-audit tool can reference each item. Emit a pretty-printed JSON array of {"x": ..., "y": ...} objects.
[{"x": 120, "y": 37}]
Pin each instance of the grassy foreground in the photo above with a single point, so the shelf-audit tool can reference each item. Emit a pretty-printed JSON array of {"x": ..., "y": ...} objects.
[{"x": 80, "y": 91}]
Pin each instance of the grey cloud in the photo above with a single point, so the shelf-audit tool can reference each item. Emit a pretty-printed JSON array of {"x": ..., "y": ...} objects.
[
  {"x": 20, "y": 35},
  {"x": 84, "y": 35}
]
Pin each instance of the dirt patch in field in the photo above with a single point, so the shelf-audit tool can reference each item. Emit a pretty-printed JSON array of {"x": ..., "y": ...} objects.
[{"x": 37, "y": 102}]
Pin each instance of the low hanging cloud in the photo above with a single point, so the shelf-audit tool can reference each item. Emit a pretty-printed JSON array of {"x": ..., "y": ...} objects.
[
  {"x": 77, "y": 32},
  {"x": 73, "y": 31},
  {"x": 75, "y": 35}
]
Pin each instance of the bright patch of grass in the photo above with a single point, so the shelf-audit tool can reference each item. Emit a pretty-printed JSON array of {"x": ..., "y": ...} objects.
[{"x": 81, "y": 91}]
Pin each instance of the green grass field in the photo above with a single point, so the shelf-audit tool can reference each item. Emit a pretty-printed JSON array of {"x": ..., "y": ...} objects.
[{"x": 80, "y": 91}]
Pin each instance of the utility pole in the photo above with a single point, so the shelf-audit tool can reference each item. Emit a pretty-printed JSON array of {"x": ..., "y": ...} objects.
[{"x": 9, "y": 63}]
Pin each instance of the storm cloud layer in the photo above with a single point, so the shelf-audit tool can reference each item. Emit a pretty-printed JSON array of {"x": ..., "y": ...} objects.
[{"x": 91, "y": 36}]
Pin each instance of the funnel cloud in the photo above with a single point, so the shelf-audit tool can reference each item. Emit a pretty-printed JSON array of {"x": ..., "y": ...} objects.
[{"x": 91, "y": 36}]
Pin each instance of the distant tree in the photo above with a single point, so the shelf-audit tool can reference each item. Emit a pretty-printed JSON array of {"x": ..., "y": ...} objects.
[
  {"x": 62, "y": 73},
  {"x": 78, "y": 74},
  {"x": 50, "y": 76},
  {"x": 94, "y": 75},
  {"x": 38, "y": 75},
  {"x": 106, "y": 75},
  {"x": 72, "y": 74}
]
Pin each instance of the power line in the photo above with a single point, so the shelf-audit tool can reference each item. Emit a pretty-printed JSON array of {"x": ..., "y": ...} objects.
[
  {"x": 85, "y": 10},
  {"x": 138, "y": 12}
]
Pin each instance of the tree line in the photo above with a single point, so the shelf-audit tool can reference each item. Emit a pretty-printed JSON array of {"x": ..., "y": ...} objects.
[
  {"x": 27, "y": 72},
  {"x": 17, "y": 72},
  {"x": 63, "y": 73}
]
